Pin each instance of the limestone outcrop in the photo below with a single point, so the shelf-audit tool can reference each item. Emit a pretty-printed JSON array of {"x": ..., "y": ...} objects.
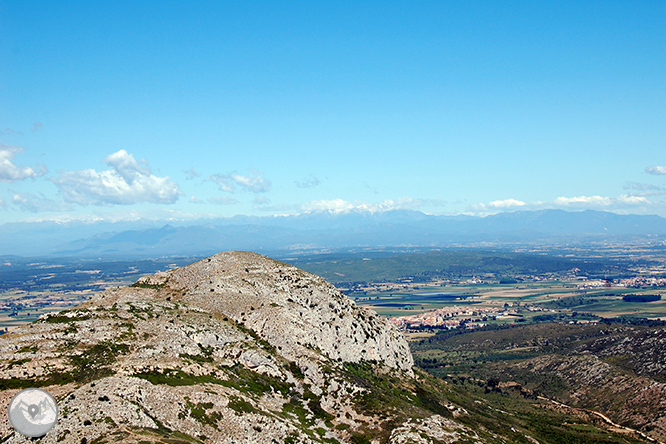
[{"x": 235, "y": 348}]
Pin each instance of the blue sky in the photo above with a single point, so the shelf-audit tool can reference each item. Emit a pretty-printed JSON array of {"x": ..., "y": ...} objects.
[{"x": 198, "y": 109}]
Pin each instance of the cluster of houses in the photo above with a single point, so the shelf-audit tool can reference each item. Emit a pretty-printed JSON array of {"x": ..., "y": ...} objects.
[{"x": 447, "y": 317}]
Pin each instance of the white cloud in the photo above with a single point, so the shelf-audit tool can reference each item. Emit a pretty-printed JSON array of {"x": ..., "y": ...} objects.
[
  {"x": 254, "y": 183},
  {"x": 632, "y": 200},
  {"x": 126, "y": 166},
  {"x": 656, "y": 170},
  {"x": 196, "y": 200},
  {"x": 599, "y": 201},
  {"x": 223, "y": 182},
  {"x": 506, "y": 203},
  {"x": 126, "y": 183},
  {"x": 35, "y": 204},
  {"x": 495, "y": 205},
  {"x": 331, "y": 205},
  {"x": 9, "y": 172},
  {"x": 3, "y": 204},
  {"x": 572, "y": 203},
  {"x": 223, "y": 200},
  {"x": 587, "y": 201},
  {"x": 343, "y": 206}
]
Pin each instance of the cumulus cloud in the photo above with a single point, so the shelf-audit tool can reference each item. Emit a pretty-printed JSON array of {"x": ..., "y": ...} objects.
[
  {"x": 223, "y": 200},
  {"x": 403, "y": 203},
  {"x": 656, "y": 170},
  {"x": 34, "y": 204},
  {"x": 254, "y": 183},
  {"x": 10, "y": 172},
  {"x": 632, "y": 200},
  {"x": 223, "y": 182},
  {"x": 309, "y": 182},
  {"x": 621, "y": 202},
  {"x": 506, "y": 203},
  {"x": 196, "y": 200},
  {"x": 596, "y": 201},
  {"x": 126, "y": 182},
  {"x": 600, "y": 201}
]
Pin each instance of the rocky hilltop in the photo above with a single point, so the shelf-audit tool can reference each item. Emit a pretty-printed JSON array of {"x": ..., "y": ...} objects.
[
  {"x": 236, "y": 348},
  {"x": 297, "y": 312}
]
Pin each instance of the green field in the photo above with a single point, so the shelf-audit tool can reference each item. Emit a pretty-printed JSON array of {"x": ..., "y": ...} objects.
[
  {"x": 530, "y": 300},
  {"x": 32, "y": 287},
  {"x": 393, "y": 285}
]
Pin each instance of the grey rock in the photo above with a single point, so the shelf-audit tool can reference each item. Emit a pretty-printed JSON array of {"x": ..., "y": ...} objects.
[{"x": 236, "y": 348}]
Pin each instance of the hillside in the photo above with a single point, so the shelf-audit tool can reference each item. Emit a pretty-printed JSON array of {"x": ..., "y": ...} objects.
[
  {"x": 614, "y": 369},
  {"x": 239, "y": 348}
]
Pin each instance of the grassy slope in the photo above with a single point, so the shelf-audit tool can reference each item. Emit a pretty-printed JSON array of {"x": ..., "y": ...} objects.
[{"x": 614, "y": 369}]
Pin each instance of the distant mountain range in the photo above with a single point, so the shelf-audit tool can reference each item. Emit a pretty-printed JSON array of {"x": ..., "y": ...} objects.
[{"x": 322, "y": 231}]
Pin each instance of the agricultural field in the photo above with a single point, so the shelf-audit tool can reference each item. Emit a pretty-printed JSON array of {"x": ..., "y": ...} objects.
[
  {"x": 530, "y": 302},
  {"x": 32, "y": 287},
  {"x": 489, "y": 287}
]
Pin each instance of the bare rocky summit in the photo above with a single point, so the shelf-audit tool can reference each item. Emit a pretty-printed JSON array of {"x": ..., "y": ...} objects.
[
  {"x": 295, "y": 311},
  {"x": 236, "y": 348}
]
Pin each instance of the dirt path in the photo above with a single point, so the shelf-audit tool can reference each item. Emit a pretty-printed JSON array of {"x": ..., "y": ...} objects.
[{"x": 605, "y": 418}]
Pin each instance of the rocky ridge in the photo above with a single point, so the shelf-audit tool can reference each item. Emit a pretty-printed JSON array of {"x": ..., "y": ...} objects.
[
  {"x": 293, "y": 310},
  {"x": 235, "y": 348}
]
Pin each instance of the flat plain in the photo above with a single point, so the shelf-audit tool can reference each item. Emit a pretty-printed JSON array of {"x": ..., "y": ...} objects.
[
  {"x": 535, "y": 299},
  {"x": 520, "y": 286}
]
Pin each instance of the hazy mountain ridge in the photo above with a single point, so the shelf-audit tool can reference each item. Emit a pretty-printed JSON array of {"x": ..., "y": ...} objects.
[{"x": 321, "y": 231}]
